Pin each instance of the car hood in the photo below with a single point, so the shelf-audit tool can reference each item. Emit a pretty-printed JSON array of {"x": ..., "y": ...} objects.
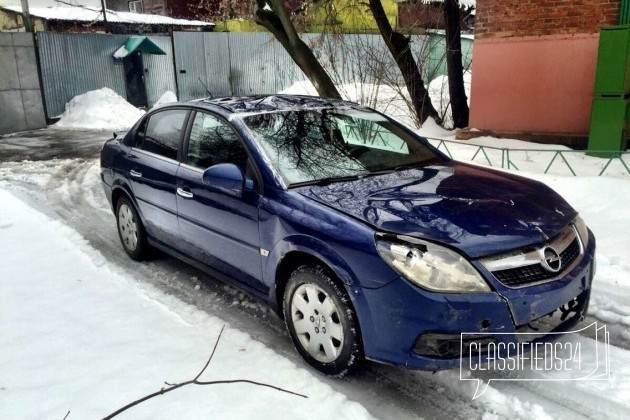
[{"x": 476, "y": 210}]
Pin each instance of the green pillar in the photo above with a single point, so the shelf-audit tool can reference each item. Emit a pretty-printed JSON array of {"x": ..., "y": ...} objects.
[
  {"x": 609, "y": 114},
  {"x": 624, "y": 12},
  {"x": 609, "y": 125}
]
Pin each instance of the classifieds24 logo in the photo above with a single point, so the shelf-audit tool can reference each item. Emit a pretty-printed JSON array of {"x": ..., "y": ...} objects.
[{"x": 567, "y": 357}]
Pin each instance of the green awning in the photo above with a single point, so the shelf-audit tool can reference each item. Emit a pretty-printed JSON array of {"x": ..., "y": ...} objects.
[{"x": 142, "y": 44}]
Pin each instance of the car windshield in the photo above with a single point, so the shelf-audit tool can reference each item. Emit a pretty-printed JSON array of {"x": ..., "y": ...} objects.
[{"x": 330, "y": 144}]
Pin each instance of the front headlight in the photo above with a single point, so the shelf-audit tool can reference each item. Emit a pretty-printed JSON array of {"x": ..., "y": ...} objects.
[
  {"x": 431, "y": 266},
  {"x": 582, "y": 230}
]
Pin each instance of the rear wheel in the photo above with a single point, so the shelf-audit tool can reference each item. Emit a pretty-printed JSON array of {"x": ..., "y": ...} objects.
[
  {"x": 321, "y": 321},
  {"x": 130, "y": 230}
]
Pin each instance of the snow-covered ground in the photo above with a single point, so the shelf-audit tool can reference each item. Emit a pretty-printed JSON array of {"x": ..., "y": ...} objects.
[
  {"x": 79, "y": 334},
  {"x": 83, "y": 329}
]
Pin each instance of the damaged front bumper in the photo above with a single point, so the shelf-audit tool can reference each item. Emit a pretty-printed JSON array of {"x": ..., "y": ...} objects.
[{"x": 405, "y": 325}]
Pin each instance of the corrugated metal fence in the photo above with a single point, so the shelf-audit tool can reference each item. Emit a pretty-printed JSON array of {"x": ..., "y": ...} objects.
[
  {"x": 237, "y": 63},
  {"x": 220, "y": 63},
  {"x": 72, "y": 64},
  {"x": 224, "y": 63}
]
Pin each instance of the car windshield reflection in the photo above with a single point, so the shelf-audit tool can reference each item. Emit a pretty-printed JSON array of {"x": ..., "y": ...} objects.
[{"x": 327, "y": 145}]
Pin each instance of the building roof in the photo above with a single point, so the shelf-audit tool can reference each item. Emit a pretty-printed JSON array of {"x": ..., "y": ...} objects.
[
  {"x": 94, "y": 14},
  {"x": 462, "y": 3}
]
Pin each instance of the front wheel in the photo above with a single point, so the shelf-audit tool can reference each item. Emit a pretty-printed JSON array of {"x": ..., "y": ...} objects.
[
  {"x": 130, "y": 230},
  {"x": 321, "y": 321}
]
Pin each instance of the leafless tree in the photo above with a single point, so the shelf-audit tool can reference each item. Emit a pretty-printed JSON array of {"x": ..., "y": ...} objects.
[
  {"x": 273, "y": 15},
  {"x": 363, "y": 63},
  {"x": 399, "y": 47},
  {"x": 459, "y": 101}
]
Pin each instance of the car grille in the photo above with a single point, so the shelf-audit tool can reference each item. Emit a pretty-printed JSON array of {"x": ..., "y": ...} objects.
[
  {"x": 537, "y": 264},
  {"x": 521, "y": 276}
]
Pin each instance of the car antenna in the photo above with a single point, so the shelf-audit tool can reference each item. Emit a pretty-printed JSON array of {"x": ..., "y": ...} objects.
[{"x": 205, "y": 87}]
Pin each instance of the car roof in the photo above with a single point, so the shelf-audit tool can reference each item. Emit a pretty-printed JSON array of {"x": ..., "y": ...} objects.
[{"x": 277, "y": 102}]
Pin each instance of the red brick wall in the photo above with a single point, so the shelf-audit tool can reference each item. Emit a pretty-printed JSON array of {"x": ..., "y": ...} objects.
[{"x": 516, "y": 18}]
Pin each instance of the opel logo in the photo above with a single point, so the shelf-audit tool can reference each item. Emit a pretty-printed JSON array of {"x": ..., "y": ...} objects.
[{"x": 551, "y": 260}]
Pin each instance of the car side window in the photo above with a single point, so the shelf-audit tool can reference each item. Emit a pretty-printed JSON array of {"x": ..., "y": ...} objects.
[
  {"x": 213, "y": 141},
  {"x": 162, "y": 132}
]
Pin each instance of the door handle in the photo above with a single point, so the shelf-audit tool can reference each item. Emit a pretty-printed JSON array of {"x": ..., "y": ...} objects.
[
  {"x": 185, "y": 193},
  {"x": 135, "y": 173}
]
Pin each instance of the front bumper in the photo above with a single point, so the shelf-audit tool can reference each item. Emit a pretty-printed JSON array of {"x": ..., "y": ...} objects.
[{"x": 394, "y": 317}]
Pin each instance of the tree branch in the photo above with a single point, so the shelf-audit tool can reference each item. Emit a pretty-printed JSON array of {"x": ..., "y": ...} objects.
[
  {"x": 283, "y": 16},
  {"x": 398, "y": 46},
  {"x": 216, "y": 343},
  {"x": 196, "y": 381},
  {"x": 277, "y": 21},
  {"x": 247, "y": 381}
]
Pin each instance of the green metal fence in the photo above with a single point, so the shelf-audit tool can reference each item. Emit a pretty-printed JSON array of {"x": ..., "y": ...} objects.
[{"x": 491, "y": 155}]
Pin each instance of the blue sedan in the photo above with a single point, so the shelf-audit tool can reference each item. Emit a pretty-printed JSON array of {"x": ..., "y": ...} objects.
[{"x": 369, "y": 242}]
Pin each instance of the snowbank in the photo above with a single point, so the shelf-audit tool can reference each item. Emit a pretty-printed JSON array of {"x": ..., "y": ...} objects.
[
  {"x": 393, "y": 101},
  {"x": 383, "y": 98},
  {"x": 441, "y": 99},
  {"x": 302, "y": 87},
  {"x": 78, "y": 335},
  {"x": 99, "y": 109}
]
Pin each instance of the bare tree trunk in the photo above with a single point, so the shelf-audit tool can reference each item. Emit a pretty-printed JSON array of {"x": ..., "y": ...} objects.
[
  {"x": 398, "y": 46},
  {"x": 276, "y": 20},
  {"x": 455, "y": 68}
]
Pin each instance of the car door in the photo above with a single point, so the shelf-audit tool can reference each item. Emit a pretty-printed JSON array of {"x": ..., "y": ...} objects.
[
  {"x": 153, "y": 163},
  {"x": 218, "y": 229}
]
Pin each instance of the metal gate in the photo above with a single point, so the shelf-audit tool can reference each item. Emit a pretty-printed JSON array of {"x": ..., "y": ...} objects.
[
  {"x": 74, "y": 63},
  {"x": 229, "y": 63}
]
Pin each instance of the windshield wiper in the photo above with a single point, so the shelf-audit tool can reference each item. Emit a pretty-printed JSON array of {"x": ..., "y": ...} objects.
[
  {"x": 328, "y": 180},
  {"x": 332, "y": 179},
  {"x": 397, "y": 168},
  {"x": 406, "y": 166}
]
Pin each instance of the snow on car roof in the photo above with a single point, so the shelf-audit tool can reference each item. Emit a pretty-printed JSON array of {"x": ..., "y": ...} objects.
[{"x": 261, "y": 103}]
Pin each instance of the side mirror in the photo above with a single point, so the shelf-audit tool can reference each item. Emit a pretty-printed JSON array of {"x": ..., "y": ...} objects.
[{"x": 225, "y": 177}]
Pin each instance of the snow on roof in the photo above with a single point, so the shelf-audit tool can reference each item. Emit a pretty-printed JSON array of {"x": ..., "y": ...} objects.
[
  {"x": 443, "y": 32},
  {"x": 462, "y": 3},
  {"x": 94, "y": 14}
]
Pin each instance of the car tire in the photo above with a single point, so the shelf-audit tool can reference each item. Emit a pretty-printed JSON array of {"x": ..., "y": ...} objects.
[
  {"x": 131, "y": 232},
  {"x": 321, "y": 321}
]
